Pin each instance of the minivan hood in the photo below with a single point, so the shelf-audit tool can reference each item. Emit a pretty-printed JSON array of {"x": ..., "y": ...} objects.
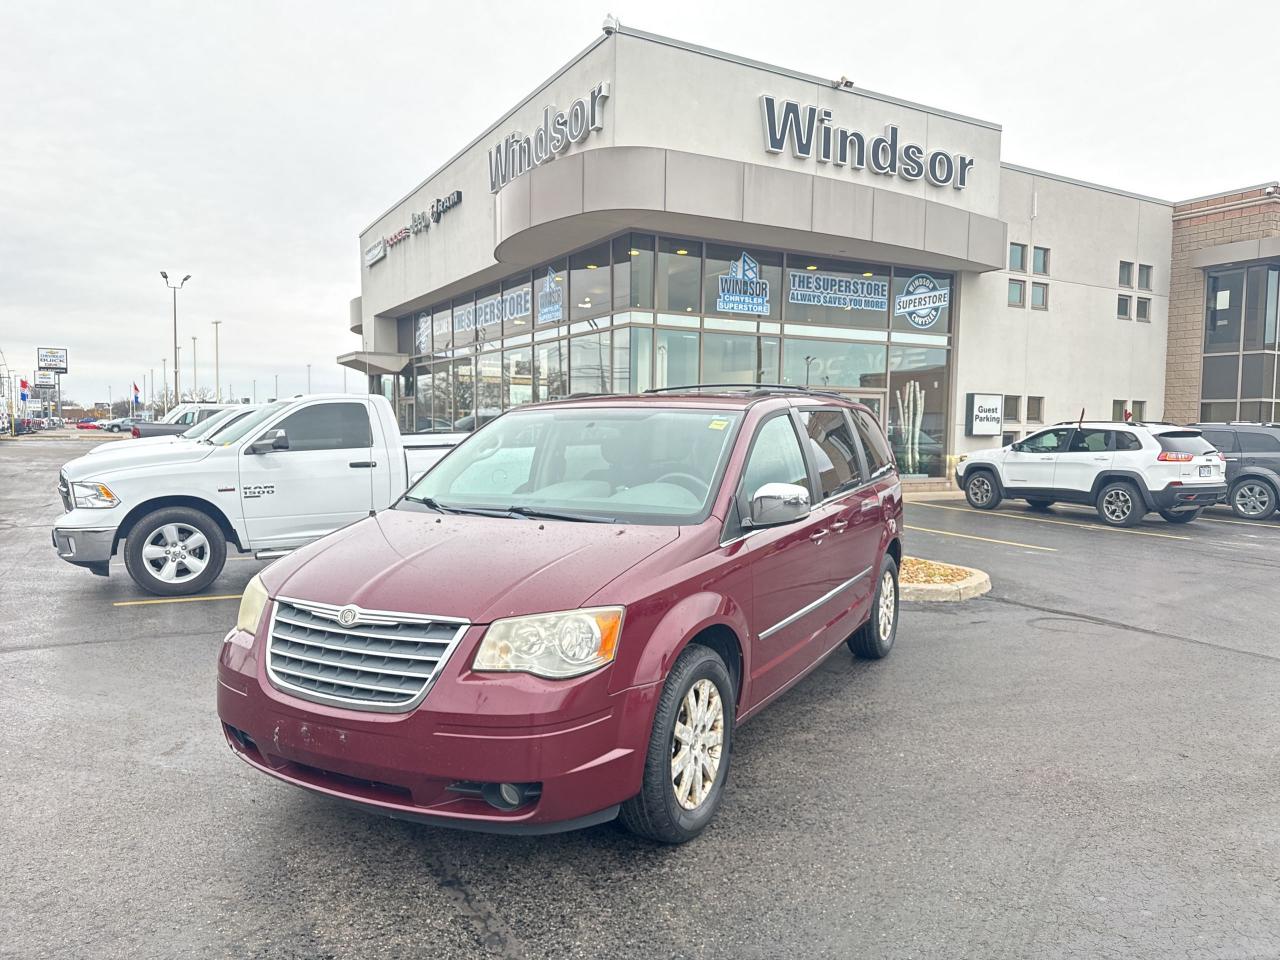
[
  {"x": 477, "y": 568},
  {"x": 110, "y": 463}
]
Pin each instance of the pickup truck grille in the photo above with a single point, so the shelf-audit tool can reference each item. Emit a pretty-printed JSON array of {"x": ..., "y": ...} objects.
[
  {"x": 64, "y": 491},
  {"x": 359, "y": 659}
]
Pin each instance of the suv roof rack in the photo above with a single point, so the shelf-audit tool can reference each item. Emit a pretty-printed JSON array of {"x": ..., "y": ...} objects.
[{"x": 750, "y": 389}]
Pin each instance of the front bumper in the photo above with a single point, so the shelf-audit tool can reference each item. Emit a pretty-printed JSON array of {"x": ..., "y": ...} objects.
[
  {"x": 1189, "y": 496},
  {"x": 582, "y": 745},
  {"x": 86, "y": 546}
]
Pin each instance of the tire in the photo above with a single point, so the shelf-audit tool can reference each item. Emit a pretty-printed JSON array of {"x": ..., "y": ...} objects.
[
  {"x": 1252, "y": 499},
  {"x": 113, "y": 429},
  {"x": 159, "y": 542},
  {"x": 874, "y": 639},
  {"x": 1040, "y": 505},
  {"x": 1184, "y": 516},
  {"x": 982, "y": 490},
  {"x": 1120, "y": 504},
  {"x": 656, "y": 812}
]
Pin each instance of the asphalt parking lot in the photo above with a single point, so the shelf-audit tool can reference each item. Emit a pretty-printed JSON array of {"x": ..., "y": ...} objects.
[{"x": 1081, "y": 764}]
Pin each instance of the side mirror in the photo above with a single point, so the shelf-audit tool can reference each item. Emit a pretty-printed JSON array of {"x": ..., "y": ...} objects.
[
  {"x": 777, "y": 503},
  {"x": 1017, "y": 446},
  {"x": 271, "y": 440}
]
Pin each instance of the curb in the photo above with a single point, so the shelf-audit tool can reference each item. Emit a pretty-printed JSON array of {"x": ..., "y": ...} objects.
[{"x": 974, "y": 585}]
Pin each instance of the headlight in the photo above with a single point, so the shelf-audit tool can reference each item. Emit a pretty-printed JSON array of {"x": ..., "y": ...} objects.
[
  {"x": 552, "y": 645},
  {"x": 252, "y": 603},
  {"x": 93, "y": 496}
]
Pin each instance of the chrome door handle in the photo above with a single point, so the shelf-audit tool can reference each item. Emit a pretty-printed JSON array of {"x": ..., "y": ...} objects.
[
  {"x": 358, "y": 464},
  {"x": 817, "y": 535},
  {"x": 1046, "y": 458},
  {"x": 1100, "y": 458},
  {"x": 839, "y": 525}
]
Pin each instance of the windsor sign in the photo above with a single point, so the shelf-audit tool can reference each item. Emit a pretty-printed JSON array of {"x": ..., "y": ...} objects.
[{"x": 517, "y": 154}]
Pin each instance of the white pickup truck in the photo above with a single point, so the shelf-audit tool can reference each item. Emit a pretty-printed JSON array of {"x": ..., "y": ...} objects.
[{"x": 290, "y": 472}]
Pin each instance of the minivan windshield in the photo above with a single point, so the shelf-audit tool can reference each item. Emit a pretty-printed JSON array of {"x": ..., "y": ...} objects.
[
  {"x": 648, "y": 465},
  {"x": 230, "y": 434}
]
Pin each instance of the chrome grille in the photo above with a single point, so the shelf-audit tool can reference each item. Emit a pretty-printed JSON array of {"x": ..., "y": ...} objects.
[
  {"x": 64, "y": 491},
  {"x": 360, "y": 659}
]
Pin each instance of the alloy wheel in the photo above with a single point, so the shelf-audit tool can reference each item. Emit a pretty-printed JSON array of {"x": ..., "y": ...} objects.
[
  {"x": 1117, "y": 505},
  {"x": 888, "y": 603},
  {"x": 176, "y": 553},
  {"x": 696, "y": 744},
  {"x": 1252, "y": 499},
  {"x": 980, "y": 489}
]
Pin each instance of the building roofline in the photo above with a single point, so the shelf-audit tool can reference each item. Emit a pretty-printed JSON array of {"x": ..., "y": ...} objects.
[
  {"x": 1227, "y": 193},
  {"x": 692, "y": 48},
  {"x": 800, "y": 75},
  {"x": 1031, "y": 171}
]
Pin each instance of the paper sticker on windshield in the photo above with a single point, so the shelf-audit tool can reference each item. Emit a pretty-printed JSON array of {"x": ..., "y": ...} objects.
[{"x": 717, "y": 424}]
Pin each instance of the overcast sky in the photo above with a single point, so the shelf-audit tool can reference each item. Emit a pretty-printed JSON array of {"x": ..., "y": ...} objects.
[{"x": 247, "y": 143}]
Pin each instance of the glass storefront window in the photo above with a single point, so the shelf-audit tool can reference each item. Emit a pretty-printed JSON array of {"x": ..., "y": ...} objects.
[
  {"x": 679, "y": 275},
  {"x": 1256, "y": 411},
  {"x": 1257, "y": 375},
  {"x": 1219, "y": 378},
  {"x": 464, "y": 395},
  {"x": 1260, "y": 307},
  {"x": 833, "y": 363},
  {"x": 676, "y": 358},
  {"x": 836, "y": 293},
  {"x": 741, "y": 283},
  {"x": 488, "y": 385},
  {"x": 424, "y": 398},
  {"x": 517, "y": 306},
  {"x": 1222, "y": 311},
  {"x": 422, "y": 334},
  {"x": 735, "y": 358},
  {"x": 488, "y": 314},
  {"x": 918, "y": 391},
  {"x": 922, "y": 300},
  {"x": 589, "y": 283},
  {"x": 404, "y": 334},
  {"x": 590, "y": 363},
  {"x": 441, "y": 329},
  {"x": 640, "y": 374},
  {"x": 633, "y": 272},
  {"x": 551, "y": 381},
  {"x": 517, "y": 377},
  {"x": 464, "y": 321},
  {"x": 548, "y": 294},
  {"x": 1218, "y": 412}
]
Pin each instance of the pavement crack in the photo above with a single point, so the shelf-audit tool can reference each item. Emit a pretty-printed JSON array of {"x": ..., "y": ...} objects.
[
  {"x": 493, "y": 932},
  {"x": 1129, "y": 627}
]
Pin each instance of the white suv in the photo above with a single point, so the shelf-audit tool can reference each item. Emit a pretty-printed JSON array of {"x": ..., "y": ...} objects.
[{"x": 1122, "y": 469}]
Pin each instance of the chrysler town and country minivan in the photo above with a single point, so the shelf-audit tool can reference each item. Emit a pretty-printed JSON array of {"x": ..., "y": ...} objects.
[{"x": 564, "y": 621}]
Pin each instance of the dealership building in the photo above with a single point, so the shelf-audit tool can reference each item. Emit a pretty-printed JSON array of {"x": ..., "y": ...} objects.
[{"x": 659, "y": 214}]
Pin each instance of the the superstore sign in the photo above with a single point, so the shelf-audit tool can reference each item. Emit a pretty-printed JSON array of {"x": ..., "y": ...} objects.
[{"x": 834, "y": 290}]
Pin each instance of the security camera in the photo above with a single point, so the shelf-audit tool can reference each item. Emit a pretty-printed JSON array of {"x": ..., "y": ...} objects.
[
  {"x": 1270, "y": 191},
  {"x": 611, "y": 25}
]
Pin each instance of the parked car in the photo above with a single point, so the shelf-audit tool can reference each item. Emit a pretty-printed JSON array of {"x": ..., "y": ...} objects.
[
  {"x": 1124, "y": 470},
  {"x": 565, "y": 620},
  {"x": 178, "y": 420},
  {"x": 205, "y": 428},
  {"x": 88, "y": 423},
  {"x": 121, "y": 424},
  {"x": 281, "y": 477},
  {"x": 1252, "y": 453}
]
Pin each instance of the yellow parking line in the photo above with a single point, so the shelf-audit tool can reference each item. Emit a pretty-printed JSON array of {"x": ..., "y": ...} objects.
[
  {"x": 970, "y": 536},
  {"x": 146, "y": 603},
  {"x": 1064, "y": 523}
]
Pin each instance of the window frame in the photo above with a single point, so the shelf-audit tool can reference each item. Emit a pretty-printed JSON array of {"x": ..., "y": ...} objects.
[
  {"x": 1038, "y": 285},
  {"x": 1142, "y": 305},
  {"x": 1021, "y": 286},
  {"x": 1040, "y": 416},
  {"x": 1040, "y": 273},
  {"x": 1004, "y": 408},
  {"x": 1022, "y": 247},
  {"x": 1120, "y": 281},
  {"x": 1127, "y": 299},
  {"x": 1151, "y": 272}
]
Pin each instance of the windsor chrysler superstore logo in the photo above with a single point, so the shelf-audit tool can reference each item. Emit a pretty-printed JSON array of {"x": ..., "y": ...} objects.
[{"x": 418, "y": 223}]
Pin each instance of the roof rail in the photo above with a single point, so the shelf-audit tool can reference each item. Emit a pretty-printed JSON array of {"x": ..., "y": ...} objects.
[{"x": 753, "y": 389}]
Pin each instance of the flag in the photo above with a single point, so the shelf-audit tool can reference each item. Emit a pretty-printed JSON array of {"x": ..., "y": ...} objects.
[
  {"x": 23, "y": 386},
  {"x": 136, "y": 398},
  {"x": 1128, "y": 415}
]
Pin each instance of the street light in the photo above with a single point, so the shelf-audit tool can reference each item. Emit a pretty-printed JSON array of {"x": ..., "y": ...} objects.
[
  {"x": 195, "y": 386},
  {"x": 217, "y": 365},
  {"x": 308, "y": 378},
  {"x": 177, "y": 377}
]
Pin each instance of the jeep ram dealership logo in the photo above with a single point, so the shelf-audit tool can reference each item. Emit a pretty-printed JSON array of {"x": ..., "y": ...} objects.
[
  {"x": 922, "y": 301},
  {"x": 418, "y": 223}
]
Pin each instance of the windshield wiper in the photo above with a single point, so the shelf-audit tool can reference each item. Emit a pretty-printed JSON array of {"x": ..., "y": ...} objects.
[
  {"x": 432, "y": 504},
  {"x": 534, "y": 512}
]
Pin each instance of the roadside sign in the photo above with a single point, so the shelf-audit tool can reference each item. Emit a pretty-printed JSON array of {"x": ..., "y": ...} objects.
[
  {"x": 46, "y": 378},
  {"x": 52, "y": 358}
]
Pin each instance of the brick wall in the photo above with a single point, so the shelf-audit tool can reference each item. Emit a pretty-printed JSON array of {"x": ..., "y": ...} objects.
[{"x": 1248, "y": 215}]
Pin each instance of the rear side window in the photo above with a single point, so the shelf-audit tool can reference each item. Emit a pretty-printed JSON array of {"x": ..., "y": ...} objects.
[
  {"x": 1224, "y": 440},
  {"x": 775, "y": 457},
  {"x": 1090, "y": 441},
  {"x": 1258, "y": 442},
  {"x": 874, "y": 444},
  {"x": 834, "y": 450},
  {"x": 1127, "y": 441},
  {"x": 328, "y": 426},
  {"x": 1184, "y": 442}
]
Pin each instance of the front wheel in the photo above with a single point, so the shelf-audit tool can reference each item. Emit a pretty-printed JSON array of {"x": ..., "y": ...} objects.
[
  {"x": 689, "y": 751},
  {"x": 175, "y": 551},
  {"x": 1120, "y": 505},
  {"x": 1183, "y": 516},
  {"x": 1253, "y": 500},
  {"x": 981, "y": 491},
  {"x": 874, "y": 639}
]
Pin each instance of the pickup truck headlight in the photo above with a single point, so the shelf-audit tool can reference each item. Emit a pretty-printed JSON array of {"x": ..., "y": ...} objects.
[
  {"x": 252, "y": 602},
  {"x": 93, "y": 496},
  {"x": 552, "y": 645}
]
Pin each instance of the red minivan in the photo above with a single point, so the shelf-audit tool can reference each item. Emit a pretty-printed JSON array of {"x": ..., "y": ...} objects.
[{"x": 564, "y": 620}]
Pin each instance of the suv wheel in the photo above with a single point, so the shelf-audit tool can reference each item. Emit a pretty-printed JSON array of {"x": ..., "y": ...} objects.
[
  {"x": 1253, "y": 499},
  {"x": 1120, "y": 504},
  {"x": 1181, "y": 516},
  {"x": 175, "y": 551},
  {"x": 874, "y": 639},
  {"x": 981, "y": 491},
  {"x": 689, "y": 751}
]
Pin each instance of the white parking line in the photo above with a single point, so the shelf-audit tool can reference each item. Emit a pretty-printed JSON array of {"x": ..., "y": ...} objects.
[{"x": 1064, "y": 523}]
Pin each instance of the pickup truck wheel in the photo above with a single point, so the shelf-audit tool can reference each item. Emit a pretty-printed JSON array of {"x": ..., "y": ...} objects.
[
  {"x": 874, "y": 639},
  {"x": 1253, "y": 499},
  {"x": 981, "y": 491},
  {"x": 689, "y": 750},
  {"x": 175, "y": 551},
  {"x": 1120, "y": 504}
]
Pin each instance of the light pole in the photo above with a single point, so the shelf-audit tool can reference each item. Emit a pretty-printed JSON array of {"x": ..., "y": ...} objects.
[
  {"x": 308, "y": 378},
  {"x": 255, "y": 389},
  {"x": 177, "y": 376},
  {"x": 217, "y": 368},
  {"x": 164, "y": 378},
  {"x": 195, "y": 381},
  {"x": 276, "y": 395}
]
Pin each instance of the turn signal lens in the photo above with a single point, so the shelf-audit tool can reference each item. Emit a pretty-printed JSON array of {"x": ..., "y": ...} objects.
[
  {"x": 552, "y": 645},
  {"x": 1170, "y": 456}
]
